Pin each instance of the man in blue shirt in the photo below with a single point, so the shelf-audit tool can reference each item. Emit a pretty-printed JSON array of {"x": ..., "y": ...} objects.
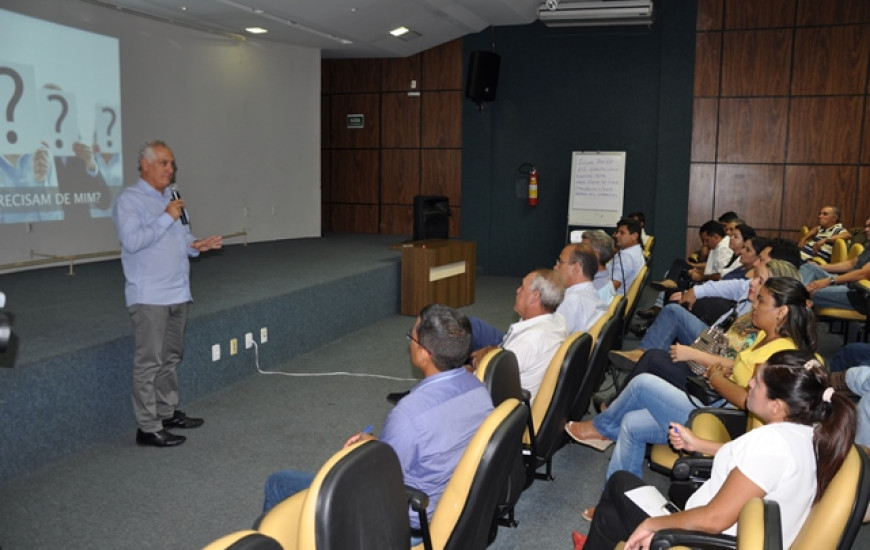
[
  {"x": 430, "y": 427},
  {"x": 155, "y": 247}
]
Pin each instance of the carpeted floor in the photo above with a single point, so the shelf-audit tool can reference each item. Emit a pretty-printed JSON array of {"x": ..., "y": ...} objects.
[{"x": 119, "y": 496}]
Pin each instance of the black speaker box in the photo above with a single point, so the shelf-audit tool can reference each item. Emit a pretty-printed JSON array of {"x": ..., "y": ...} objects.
[
  {"x": 431, "y": 217},
  {"x": 482, "y": 80}
]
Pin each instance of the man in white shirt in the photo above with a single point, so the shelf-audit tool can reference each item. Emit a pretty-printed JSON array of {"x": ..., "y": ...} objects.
[
  {"x": 582, "y": 306},
  {"x": 628, "y": 261},
  {"x": 536, "y": 337}
]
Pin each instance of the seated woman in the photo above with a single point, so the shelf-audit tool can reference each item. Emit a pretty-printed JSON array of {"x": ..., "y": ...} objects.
[
  {"x": 647, "y": 406},
  {"x": 807, "y": 434},
  {"x": 672, "y": 365}
]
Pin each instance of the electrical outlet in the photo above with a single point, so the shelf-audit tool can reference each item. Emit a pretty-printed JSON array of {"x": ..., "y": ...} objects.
[
  {"x": 264, "y": 335},
  {"x": 249, "y": 340},
  {"x": 234, "y": 346},
  {"x": 216, "y": 352}
]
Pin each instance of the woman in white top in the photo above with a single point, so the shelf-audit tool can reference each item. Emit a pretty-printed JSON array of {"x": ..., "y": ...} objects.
[{"x": 786, "y": 460}]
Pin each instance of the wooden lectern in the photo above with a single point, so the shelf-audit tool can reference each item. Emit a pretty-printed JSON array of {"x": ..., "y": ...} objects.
[{"x": 438, "y": 271}]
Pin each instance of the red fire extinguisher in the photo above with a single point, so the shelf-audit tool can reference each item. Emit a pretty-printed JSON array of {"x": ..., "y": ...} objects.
[{"x": 533, "y": 186}]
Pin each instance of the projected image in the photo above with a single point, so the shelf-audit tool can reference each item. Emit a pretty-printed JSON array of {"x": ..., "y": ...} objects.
[{"x": 60, "y": 122}]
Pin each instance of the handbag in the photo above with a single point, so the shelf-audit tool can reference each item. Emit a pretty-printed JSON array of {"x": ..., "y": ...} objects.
[
  {"x": 699, "y": 388},
  {"x": 713, "y": 340}
]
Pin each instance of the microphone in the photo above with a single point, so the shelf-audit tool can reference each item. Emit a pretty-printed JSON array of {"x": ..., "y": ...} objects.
[{"x": 175, "y": 196}]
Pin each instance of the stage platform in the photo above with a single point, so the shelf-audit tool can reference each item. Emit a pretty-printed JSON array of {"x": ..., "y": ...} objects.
[{"x": 65, "y": 381}]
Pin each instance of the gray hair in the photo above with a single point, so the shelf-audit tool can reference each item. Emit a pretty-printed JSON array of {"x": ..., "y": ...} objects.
[
  {"x": 549, "y": 285},
  {"x": 602, "y": 244},
  {"x": 146, "y": 152}
]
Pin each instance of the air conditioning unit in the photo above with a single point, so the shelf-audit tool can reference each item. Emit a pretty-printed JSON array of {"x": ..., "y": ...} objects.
[{"x": 594, "y": 13}]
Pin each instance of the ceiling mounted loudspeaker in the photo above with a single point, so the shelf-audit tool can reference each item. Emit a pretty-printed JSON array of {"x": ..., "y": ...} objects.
[{"x": 595, "y": 13}]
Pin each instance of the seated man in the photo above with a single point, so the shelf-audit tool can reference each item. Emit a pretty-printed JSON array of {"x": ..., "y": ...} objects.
[
  {"x": 818, "y": 242},
  {"x": 828, "y": 283},
  {"x": 536, "y": 337},
  {"x": 629, "y": 259},
  {"x": 602, "y": 244},
  {"x": 582, "y": 305},
  {"x": 430, "y": 428}
]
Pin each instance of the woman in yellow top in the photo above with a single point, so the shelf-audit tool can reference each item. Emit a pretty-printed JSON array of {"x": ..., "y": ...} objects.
[{"x": 647, "y": 406}]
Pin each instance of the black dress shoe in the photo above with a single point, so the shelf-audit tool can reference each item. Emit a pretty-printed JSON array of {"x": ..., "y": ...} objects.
[
  {"x": 181, "y": 420},
  {"x": 650, "y": 313},
  {"x": 159, "y": 439},
  {"x": 397, "y": 396}
]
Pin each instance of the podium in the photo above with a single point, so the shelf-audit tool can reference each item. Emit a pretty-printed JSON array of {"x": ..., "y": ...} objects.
[{"x": 438, "y": 271}]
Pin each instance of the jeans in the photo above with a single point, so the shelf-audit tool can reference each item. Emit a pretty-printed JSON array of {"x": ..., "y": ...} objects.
[
  {"x": 641, "y": 414},
  {"x": 284, "y": 484},
  {"x": 851, "y": 355},
  {"x": 830, "y": 296},
  {"x": 858, "y": 380},
  {"x": 673, "y": 323}
]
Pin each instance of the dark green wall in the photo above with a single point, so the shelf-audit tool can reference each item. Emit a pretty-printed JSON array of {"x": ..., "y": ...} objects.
[{"x": 578, "y": 89}]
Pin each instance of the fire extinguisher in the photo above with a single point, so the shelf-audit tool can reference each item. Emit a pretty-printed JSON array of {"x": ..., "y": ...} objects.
[
  {"x": 532, "y": 175},
  {"x": 533, "y": 186}
]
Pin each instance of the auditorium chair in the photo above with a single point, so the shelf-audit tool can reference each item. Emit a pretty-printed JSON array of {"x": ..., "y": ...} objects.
[
  {"x": 244, "y": 540},
  {"x": 847, "y": 316},
  {"x": 357, "y": 500},
  {"x": 463, "y": 517},
  {"x": 552, "y": 405},
  {"x": 499, "y": 372},
  {"x": 607, "y": 339},
  {"x": 855, "y": 250},
  {"x": 832, "y": 524},
  {"x": 648, "y": 248},
  {"x": 632, "y": 298}
]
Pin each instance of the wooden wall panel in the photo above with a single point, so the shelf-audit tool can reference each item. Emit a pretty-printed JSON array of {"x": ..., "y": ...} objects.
[
  {"x": 442, "y": 67},
  {"x": 325, "y": 175},
  {"x": 752, "y": 14},
  {"x": 754, "y": 191},
  {"x": 752, "y": 130},
  {"x": 824, "y": 129},
  {"x": 397, "y": 73},
  {"x": 354, "y": 218},
  {"x": 756, "y": 62},
  {"x": 400, "y": 175},
  {"x": 455, "y": 222},
  {"x": 708, "y": 55},
  {"x": 705, "y": 115},
  {"x": 439, "y": 128},
  {"x": 809, "y": 188},
  {"x": 353, "y": 75},
  {"x": 397, "y": 219},
  {"x": 354, "y": 175},
  {"x": 343, "y": 105},
  {"x": 831, "y": 60},
  {"x": 400, "y": 120},
  {"x": 815, "y": 12},
  {"x": 861, "y": 210},
  {"x": 325, "y": 109},
  {"x": 710, "y": 15},
  {"x": 441, "y": 173},
  {"x": 701, "y": 181},
  {"x": 865, "y": 147}
]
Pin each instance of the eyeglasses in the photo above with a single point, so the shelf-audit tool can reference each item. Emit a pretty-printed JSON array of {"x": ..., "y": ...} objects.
[{"x": 411, "y": 338}]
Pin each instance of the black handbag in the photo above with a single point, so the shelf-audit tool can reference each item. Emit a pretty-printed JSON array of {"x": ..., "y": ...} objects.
[{"x": 699, "y": 389}]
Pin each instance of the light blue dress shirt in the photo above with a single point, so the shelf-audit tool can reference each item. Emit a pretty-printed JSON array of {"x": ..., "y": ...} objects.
[{"x": 154, "y": 247}]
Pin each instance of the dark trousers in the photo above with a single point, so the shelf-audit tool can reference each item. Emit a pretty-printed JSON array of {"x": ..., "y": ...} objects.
[{"x": 616, "y": 516}]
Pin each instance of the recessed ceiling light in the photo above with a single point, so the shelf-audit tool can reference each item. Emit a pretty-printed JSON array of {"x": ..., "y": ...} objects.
[
  {"x": 399, "y": 31},
  {"x": 256, "y": 30}
]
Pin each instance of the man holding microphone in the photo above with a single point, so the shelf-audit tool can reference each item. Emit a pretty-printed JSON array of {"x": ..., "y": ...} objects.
[{"x": 156, "y": 245}]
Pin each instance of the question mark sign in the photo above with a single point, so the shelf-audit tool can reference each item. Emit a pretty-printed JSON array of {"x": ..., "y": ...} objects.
[
  {"x": 112, "y": 123},
  {"x": 64, "y": 108},
  {"x": 11, "y": 136}
]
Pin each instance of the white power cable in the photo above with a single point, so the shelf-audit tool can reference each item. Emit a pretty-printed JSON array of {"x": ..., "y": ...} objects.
[{"x": 317, "y": 374}]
